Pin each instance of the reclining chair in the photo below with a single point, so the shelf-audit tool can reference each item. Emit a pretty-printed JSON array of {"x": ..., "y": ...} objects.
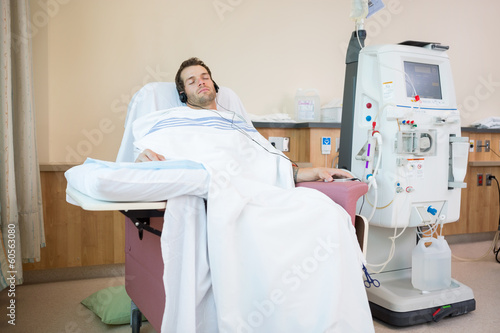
[{"x": 144, "y": 220}]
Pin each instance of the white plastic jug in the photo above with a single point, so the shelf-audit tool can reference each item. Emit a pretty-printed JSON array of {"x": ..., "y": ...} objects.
[
  {"x": 307, "y": 105},
  {"x": 431, "y": 265}
]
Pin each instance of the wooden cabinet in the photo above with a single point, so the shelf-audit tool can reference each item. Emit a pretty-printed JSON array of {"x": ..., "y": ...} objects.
[
  {"x": 75, "y": 237},
  {"x": 305, "y": 140},
  {"x": 479, "y": 211}
]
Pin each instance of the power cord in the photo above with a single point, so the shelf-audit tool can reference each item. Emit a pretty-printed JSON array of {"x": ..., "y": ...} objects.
[
  {"x": 496, "y": 249},
  {"x": 492, "y": 152},
  {"x": 496, "y": 238}
]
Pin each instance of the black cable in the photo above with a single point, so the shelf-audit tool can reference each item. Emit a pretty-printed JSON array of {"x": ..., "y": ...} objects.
[
  {"x": 492, "y": 152},
  {"x": 362, "y": 204},
  {"x": 242, "y": 131},
  {"x": 497, "y": 251},
  {"x": 496, "y": 255}
]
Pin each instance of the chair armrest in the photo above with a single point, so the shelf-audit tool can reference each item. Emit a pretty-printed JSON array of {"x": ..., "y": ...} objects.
[
  {"x": 345, "y": 194},
  {"x": 77, "y": 198}
]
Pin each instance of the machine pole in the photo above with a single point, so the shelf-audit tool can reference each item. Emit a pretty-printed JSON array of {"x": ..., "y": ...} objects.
[{"x": 348, "y": 103}]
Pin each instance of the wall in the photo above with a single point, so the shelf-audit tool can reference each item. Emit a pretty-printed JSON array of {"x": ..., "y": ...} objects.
[{"x": 90, "y": 56}]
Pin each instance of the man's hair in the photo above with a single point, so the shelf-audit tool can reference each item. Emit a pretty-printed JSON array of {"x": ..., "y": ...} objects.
[{"x": 179, "y": 84}]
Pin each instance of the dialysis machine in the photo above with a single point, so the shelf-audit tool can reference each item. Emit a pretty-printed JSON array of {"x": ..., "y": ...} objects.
[{"x": 401, "y": 134}]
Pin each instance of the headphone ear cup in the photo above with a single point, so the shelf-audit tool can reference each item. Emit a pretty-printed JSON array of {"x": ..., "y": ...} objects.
[{"x": 183, "y": 97}]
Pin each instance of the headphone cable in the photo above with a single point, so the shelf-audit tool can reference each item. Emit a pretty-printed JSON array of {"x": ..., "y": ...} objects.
[{"x": 239, "y": 129}]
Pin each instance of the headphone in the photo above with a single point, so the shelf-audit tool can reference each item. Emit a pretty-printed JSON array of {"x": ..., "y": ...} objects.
[{"x": 183, "y": 97}]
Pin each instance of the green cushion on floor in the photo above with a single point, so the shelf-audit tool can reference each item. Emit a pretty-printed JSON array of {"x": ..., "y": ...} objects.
[{"x": 112, "y": 305}]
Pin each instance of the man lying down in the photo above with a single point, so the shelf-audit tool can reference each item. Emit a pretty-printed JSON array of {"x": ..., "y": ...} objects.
[
  {"x": 263, "y": 255},
  {"x": 271, "y": 257}
]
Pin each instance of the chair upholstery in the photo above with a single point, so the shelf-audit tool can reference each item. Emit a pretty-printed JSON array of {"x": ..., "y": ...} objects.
[{"x": 345, "y": 194}]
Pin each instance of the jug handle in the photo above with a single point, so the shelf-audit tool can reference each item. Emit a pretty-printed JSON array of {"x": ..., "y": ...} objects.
[{"x": 424, "y": 240}]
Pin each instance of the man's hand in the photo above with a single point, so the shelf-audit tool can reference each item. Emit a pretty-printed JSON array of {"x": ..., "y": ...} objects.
[
  {"x": 148, "y": 155},
  {"x": 325, "y": 174},
  {"x": 328, "y": 174}
]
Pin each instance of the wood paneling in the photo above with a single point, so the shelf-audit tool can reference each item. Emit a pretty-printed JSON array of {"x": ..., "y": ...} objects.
[
  {"x": 75, "y": 237},
  {"x": 305, "y": 143},
  {"x": 480, "y": 204},
  {"x": 316, "y": 158},
  {"x": 299, "y": 141}
]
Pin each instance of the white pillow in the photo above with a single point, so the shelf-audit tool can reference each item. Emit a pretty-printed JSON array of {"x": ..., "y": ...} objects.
[{"x": 129, "y": 182}]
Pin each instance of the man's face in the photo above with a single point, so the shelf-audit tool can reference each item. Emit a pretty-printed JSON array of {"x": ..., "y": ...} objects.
[{"x": 198, "y": 86}]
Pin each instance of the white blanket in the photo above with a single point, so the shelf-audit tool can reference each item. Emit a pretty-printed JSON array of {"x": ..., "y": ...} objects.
[
  {"x": 269, "y": 257},
  {"x": 490, "y": 122}
]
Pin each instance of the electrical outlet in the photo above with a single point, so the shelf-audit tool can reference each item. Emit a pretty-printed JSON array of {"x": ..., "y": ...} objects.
[
  {"x": 487, "y": 146},
  {"x": 479, "y": 179},
  {"x": 488, "y": 180},
  {"x": 326, "y": 145},
  {"x": 478, "y": 146},
  {"x": 471, "y": 149},
  {"x": 280, "y": 143}
]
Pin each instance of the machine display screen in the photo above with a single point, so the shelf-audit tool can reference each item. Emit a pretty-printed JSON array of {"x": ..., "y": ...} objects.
[{"x": 425, "y": 80}]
